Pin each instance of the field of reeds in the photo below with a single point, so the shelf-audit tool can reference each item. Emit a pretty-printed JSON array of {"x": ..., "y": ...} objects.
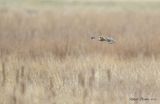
[{"x": 47, "y": 56}]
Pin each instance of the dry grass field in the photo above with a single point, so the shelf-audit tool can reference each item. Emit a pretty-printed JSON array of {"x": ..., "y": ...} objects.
[{"x": 47, "y": 56}]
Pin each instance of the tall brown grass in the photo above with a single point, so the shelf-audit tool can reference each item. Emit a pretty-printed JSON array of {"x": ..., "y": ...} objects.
[
  {"x": 67, "y": 32},
  {"x": 47, "y": 57}
]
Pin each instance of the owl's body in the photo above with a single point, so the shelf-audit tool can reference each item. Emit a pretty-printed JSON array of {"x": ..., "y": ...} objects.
[{"x": 109, "y": 40}]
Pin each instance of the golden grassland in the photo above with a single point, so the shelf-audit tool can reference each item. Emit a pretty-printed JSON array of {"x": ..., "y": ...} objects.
[
  {"x": 47, "y": 57},
  {"x": 92, "y": 79}
]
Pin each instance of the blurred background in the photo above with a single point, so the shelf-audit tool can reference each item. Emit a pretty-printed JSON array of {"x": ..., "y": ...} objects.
[
  {"x": 64, "y": 27},
  {"x": 47, "y": 55}
]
